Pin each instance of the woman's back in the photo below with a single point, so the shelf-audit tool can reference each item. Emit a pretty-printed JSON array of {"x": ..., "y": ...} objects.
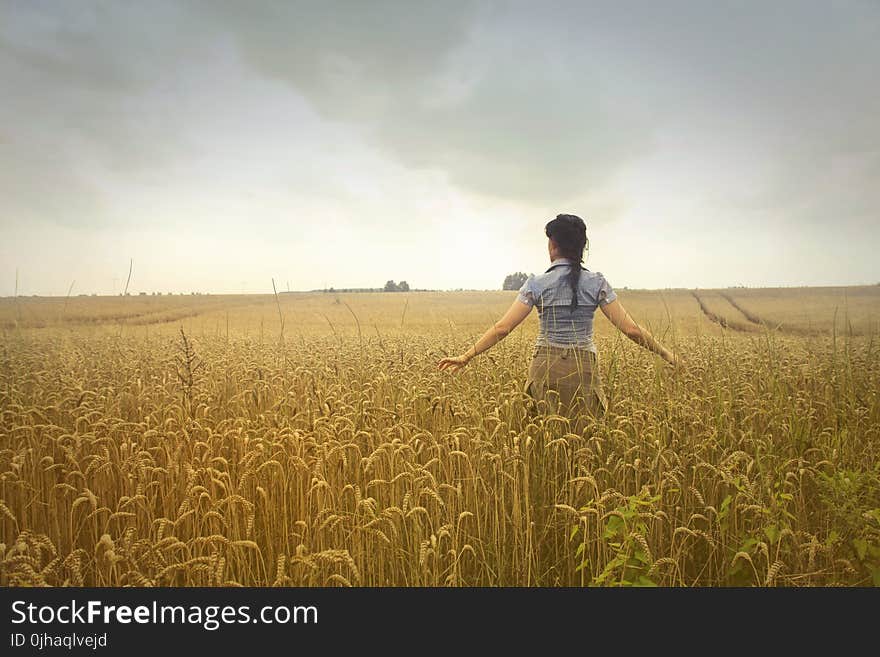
[
  {"x": 551, "y": 293},
  {"x": 564, "y": 370}
]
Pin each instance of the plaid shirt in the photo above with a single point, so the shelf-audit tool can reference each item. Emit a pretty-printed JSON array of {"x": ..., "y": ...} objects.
[{"x": 550, "y": 292}]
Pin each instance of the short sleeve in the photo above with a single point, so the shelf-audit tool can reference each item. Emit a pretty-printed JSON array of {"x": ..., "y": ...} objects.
[
  {"x": 527, "y": 292},
  {"x": 606, "y": 294}
]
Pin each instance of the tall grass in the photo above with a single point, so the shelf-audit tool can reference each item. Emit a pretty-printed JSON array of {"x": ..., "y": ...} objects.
[{"x": 347, "y": 459}]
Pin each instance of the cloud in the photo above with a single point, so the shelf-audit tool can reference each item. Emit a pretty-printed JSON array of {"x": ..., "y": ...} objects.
[
  {"x": 548, "y": 105},
  {"x": 83, "y": 117},
  {"x": 465, "y": 88},
  {"x": 397, "y": 122}
]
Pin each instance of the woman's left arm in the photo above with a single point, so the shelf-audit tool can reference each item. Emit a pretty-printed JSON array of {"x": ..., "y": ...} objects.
[{"x": 517, "y": 312}]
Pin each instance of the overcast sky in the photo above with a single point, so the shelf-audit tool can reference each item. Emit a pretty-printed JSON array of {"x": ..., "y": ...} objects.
[{"x": 220, "y": 144}]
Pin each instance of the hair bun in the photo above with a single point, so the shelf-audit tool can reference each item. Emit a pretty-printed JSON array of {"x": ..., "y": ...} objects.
[{"x": 572, "y": 219}]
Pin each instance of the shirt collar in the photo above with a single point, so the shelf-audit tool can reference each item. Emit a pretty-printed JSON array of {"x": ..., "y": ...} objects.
[{"x": 562, "y": 261}]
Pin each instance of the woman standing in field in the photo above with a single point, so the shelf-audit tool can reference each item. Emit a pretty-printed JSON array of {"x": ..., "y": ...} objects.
[{"x": 564, "y": 373}]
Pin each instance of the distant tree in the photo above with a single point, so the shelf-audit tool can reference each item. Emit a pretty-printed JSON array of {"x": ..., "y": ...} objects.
[
  {"x": 391, "y": 286},
  {"x": 514, "y": 281},
  {"x": 403, "y": 286}
]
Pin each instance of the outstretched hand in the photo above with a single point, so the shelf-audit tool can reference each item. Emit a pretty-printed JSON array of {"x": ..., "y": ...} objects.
[
  {"x": 675, "y": 362},
  {"x": 453, "y": 363}
]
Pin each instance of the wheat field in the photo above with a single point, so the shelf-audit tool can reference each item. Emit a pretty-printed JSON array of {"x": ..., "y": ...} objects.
[{"x": 309, "y": 440}]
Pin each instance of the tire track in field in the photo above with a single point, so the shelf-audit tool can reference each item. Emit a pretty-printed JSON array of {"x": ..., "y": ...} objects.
[
  {"x": 175, "y": 314},
  {"x": 778, "y": 326},
  {"x": 723, "y": 321},
  {"x": 754, "y": 319},
  {"x": 756, "y": 322},
  {"x": 131, "y": 318}
]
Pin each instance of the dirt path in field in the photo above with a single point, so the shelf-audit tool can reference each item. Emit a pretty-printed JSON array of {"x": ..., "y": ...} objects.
[
  {"x": 723, "y": 321},
  {"x": 754, "y": 319},
  {"x": 779, "y": 326},
  {"x": 136, "y": 318},
  {"x": 756, "y": 323}
]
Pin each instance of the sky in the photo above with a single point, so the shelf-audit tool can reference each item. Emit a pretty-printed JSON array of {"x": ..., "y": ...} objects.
[{"x": 218, "y": 145}]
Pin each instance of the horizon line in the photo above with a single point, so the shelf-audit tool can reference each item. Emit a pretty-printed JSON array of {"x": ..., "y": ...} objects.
[{"x": 367, "y": 290}]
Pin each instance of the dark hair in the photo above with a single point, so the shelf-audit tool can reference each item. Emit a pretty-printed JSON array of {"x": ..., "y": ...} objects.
[{"x": 570, "y": 234}]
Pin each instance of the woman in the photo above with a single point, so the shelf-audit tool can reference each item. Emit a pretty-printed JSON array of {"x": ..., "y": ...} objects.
[{"x": 564, "y": 376}]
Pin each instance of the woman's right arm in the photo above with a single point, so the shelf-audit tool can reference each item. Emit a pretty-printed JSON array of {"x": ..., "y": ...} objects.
[{"x": 618, "y": 316}]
